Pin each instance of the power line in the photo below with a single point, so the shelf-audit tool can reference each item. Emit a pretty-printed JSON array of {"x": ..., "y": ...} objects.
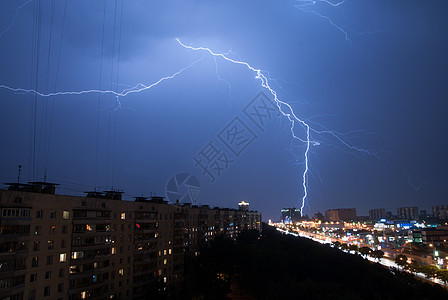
[
  {"x": 99, "y": 97},
  {"x": 55, "y": 88}
]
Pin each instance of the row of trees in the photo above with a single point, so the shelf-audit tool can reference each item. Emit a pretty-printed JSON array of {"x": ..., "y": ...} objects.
[
  {"x": 430, "y": 271},
  {"x": 277, "y": 266},
  {"x": 364, "y": 251}
]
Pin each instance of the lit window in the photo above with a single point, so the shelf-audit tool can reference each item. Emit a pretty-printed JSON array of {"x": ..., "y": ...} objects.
[
  {"x": 113, "y": 250},
  {"x": 165, "y": 261},
  {"x": 169, "y": 251},
  {"x": 121, "y": 272},
  {"x": 37, "y": 230},
  {"x": 88, "y": 227},
  {"x": 123, "y": 216},
  {"x": 164, "y": 252},
  {"x": 62, "y": 257},
  {"x": 77, "y": 254},
  {"x": 164, "y": 279},
  {"x": 35, "y": 261},
  {"x": 65, "y": 215}
]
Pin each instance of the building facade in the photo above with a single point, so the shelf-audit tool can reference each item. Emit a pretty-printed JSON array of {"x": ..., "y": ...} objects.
[
  {"x": 430, "y": 236},
  {"x": 440, "y": 212},
  {"x": 377, "y": 213},
  {"x": 340, "y": 214},
  {"x": 291, "y": 214},
  {"x": 408, "y": 213},
  {"x": 99, "y": 246}
]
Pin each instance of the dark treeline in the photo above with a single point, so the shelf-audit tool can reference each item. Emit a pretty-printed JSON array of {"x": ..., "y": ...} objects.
[{"x": 276, "y": 266}]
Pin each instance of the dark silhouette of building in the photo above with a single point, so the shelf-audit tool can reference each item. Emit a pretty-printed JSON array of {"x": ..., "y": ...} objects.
[
  {"x": 440, "y": 212},
  {"x": 318, "y": 217},
  {"x": 340, "y": 214},
  {"x": 377, "y": 213},
  {"x": 407, "y": 213},
  {"x": 99, "y": 246}
]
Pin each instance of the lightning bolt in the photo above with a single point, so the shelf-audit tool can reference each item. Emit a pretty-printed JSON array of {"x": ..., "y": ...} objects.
[
  {"x": 136, "y": 89},
  {"x": 14, "y": 18},
  {"x": 311, "y": 2},
  {"x": 288, "y": 112},
  {"x": 284, "y": 108},
  {"x": 304, "y": 4}
]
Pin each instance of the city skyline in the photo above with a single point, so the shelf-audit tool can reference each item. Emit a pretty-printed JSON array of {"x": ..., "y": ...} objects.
[{"x": 369, "y": 83}]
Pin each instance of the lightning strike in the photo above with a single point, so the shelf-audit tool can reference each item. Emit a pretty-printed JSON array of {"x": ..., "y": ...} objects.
[
  {"x": 288, "y": 113},
  {"x": 304, "y": 4},
  {"x": 284, "y": 108},
  {"x": 14, "y": 18},
  {"x": 136, "y": 89}
]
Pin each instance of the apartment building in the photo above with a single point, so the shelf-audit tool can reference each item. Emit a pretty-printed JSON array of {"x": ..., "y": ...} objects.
[
  {"x": 99, "y": 246},
  {"x": 340, "y": 214},
  {"x": 440, "y": 212},
  {"x": 408, "y": 213}
]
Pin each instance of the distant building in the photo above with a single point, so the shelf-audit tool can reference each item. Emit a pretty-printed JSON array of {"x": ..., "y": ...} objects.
[
  {"x": 440, "y": 212},
  {"x": 244, "y": 206},
  {"x": 344, "y": 214},
  {"x": 423, "y": 214},
  {"x": 291, "y": 214},
  {"x": 407, "y": 213},
  {"x": 430, "y": 236},
  {"x": 377, "y": 213},
  {"x": 319, "y": 216}
]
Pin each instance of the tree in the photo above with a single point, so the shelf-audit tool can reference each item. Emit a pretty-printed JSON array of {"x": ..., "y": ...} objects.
[
  {"x": 365, "y": 251},
  {"x": 344, "y": 246},
  {"x": 378, "y": 254},
  {"x": 414, "y": 266},
  {"x": 376, "y": 241},
  {"x": 354, "y": 247},
  {"x": 337, "y": 244},
  {"x": 429, "y": 270},
  {"x": 401, "y": 260},
  {"x": 442, "y": 275}
]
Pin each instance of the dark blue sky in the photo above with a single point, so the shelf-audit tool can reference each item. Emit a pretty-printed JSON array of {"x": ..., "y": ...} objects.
[{"x": 382, "y": 89}]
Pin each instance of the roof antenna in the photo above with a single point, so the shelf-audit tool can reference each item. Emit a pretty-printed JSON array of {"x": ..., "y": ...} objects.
[{"x": 18, "y": 176}]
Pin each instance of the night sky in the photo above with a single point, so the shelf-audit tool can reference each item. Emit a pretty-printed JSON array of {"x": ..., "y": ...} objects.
[{"x": 369, "y": 77}]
